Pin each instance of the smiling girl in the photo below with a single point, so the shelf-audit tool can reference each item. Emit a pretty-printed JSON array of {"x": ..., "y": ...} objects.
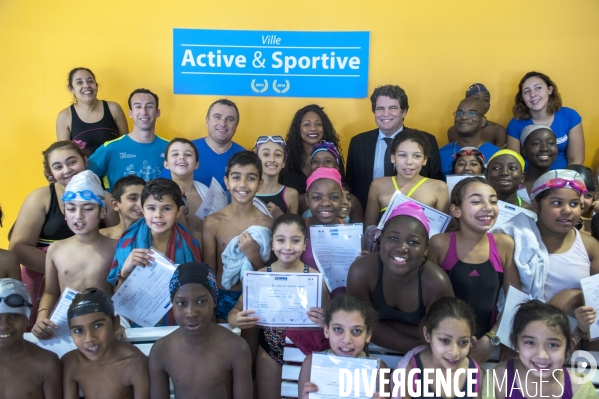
[
  {"x": 538, "y": 102},
  {"x": 539, "y": 147},
  {"x": 278, "y": 198},
  {"x": 409, "y": 152},
  {"x": 505, "y": 172},
  {"x": 478, "y": 263}
]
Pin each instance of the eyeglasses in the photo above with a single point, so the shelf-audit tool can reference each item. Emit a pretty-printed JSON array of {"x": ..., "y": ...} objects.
[
  {"x": 558, "y": 182},
  {"x": 15, "y": 301},
  {"x": 326, "y": 146},
  {"x": 265, "y": 139},
  {"x": 469, "y": 114},
  {"x": 87, "y": 195}
]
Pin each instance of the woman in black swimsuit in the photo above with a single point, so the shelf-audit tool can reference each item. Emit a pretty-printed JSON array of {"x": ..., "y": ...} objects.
[
  {"x": 89, "y": 122},
  {"x": 398, "y": 281}
]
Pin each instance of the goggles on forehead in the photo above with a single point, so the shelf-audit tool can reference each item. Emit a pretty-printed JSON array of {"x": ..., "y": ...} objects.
[
  {"x": 326, "y": 146},
  {"x": 15, "y": 301},
  {"x": 558, "y": 182},
  {"x": 275, "y": 139},
  {"x": 87, "y": 195}
]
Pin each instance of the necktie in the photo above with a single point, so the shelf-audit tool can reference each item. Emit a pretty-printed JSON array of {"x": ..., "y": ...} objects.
[{"x": 389, "y": 166}]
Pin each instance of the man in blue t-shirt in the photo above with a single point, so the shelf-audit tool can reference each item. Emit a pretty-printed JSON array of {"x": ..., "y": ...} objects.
[
  {"x": 139, "y": 153},
  {"x": 469, "y": 121},
  {"x": 216, "y": 148}
]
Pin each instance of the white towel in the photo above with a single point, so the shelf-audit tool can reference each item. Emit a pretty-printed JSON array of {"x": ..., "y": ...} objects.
[
  {"x": 530, "y": 256},
  {"x": 235, "y": 263}
]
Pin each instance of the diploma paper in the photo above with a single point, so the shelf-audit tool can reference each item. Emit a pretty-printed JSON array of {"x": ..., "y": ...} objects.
[
  {"x": 508, "y": 211},
  {"x": 335, "y": 247},
  {"x": 325, "y": 375},
  {"x": 590, "y": 290},
  {"x": 261, "y": 207},
  {"x": 452, "y": 180},
  {"x": 282, "y": 299},
  {"x": 437, "y": 219},
  {"x": 144, "y": 297},
  {"x": 214, "y": 200},
  {"x": 61, "y": 342},
  {"x": 514, "y": 298}
]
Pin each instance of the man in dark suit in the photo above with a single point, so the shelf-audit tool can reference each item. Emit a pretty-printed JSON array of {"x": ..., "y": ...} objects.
[{"x": 369, "y": 158}]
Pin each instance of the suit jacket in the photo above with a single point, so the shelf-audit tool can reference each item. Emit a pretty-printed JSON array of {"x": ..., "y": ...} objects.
[{"x": 360, "y": 162}]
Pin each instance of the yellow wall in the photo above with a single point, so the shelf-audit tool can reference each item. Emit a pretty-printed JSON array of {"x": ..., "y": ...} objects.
[{"x": 434, "y": 49}]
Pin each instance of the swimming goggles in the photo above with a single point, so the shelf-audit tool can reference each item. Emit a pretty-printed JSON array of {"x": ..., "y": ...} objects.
[
  {"x": 86, "y": 195},
  {"x": 326, "y": 146},
  {"x": 15, "y": 301},
  {"x": 265, "y": 139},
  {"x": 558, "y": 182}
]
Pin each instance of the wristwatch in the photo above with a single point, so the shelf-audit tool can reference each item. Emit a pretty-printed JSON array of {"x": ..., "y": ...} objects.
[{"x": 495, "y": 341}]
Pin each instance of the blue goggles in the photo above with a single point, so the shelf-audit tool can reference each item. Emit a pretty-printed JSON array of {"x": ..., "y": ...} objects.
[{"x": 86, "y": 195}]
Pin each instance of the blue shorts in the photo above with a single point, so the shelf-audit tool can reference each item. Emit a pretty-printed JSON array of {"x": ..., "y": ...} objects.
[{"x": 226, "y": 301}]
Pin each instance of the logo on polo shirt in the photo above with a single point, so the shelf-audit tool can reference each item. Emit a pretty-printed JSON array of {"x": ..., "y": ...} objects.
[{"x": 124, "y": 155}]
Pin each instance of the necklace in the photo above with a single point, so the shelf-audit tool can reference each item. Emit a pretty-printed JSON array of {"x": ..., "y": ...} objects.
[{"x": 546, "y": 123}]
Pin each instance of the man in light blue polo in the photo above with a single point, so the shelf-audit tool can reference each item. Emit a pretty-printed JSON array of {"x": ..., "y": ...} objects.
[
  {"x": 139, "y": 153},
  {"x": 215, "y": 149}
]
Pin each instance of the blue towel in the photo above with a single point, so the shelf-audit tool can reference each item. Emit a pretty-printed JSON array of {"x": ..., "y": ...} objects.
[{"x": 235, "y": 263}]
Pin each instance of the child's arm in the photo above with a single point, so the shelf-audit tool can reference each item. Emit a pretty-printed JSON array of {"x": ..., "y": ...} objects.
[
  {"x": 251, "y": 250},
  {"x": 44, "y": 328},
  {"x": 373, "y": 208},
  {"x": 53, "y": 380},
  {"x": 209, "y": 229},
  {"x": 140, "y": 378},
  {"x": 242, "y": 372},
  {"x": 511, "y": 276},
  {"x": 442, "y": 193},
  {"x": 317, "y": 314},
  {"x": 239, "y": 318},
  {"x": 9, "y": 265},
  {"x": 138, "y": 257},
  {"x": 69, "y": 385},
  {"x": 292, "y": 198},
  {"x": 304, "y": 386},
  {"x": 159, "y": 384}
]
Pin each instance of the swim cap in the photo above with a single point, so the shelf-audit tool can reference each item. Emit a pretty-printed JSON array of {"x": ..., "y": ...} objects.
[
  {"x": 326, "y": 146},
  {"x": 193, "y": 273},
  {"x": 92, "y": 300},
  {"x": 559, "y": 178},
  {"x": 531, "y": 128},
  {"x": 14, "y": 297},
  {"x": 324, "y": 173},
  {"x": 470, "y": 151},
  {"x": 84, "y": 186},
  {"x": 476, "y": 88},
  {"x": 505, "y": 151},
  {"x": 412, "y": 209}
]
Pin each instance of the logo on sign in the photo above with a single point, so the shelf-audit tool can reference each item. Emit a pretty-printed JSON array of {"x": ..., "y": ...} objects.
[
  {"x": 259, "y": 87},
  {"x": 281, "y": 87}
]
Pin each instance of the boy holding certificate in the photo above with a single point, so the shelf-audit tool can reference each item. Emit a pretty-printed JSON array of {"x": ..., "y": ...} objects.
[
  {"x": 83, "y": 260},
  {"x": 202, "y": 359},
  {"x": 26, "y": 370},
  {"x": 243, "y": 180},
  {"x": 162, "y": 204},
  {"x": 102, "y": 366}
]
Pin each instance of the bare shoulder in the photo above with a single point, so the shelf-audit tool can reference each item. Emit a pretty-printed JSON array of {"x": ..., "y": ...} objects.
[
  {"x": 503, "y": 241},
  {"x": 264, "y": 220},
  {"x": 439, "y": 244},
  {"x": 433, "y": 276},
  {"x": 163, "y": 345},
  {"x": 496, "y": 127},
  {"x": 41, "y": 357},
  {"x": 380, "y": 182},
  {"x": 65, "y": 114},
  {"x": 291, "y": 193},
  {"x": 70, "y": 360},
  {"x": 590, "y": 244},
  {"x": 131, "y": 354},
  {"x": 366, "y": 264},
  {"x": 436, "y": 184},
  {"x": 114, "y": 106},
  {"x": 40, "y": 196}
]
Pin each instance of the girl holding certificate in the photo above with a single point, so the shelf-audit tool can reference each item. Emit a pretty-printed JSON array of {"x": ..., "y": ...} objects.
[
  {"x": 478, "y": 263},
  {"x": 348, "y": 324},
  {"x": 409, "y": 153},
  {"x": 288, "y": 243}
]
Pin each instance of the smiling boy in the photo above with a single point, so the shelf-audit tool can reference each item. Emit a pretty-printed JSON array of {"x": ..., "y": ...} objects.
[
  {"x": 202, "y": 359},
  {"x": 101, "y": 366},
  {"x": 162, "y": 204},
  {"x": 181, "y": 158},
  {"x": 243, "y": 180},
  {"x": 83, "y": 260},
  {"x": 26, "y": 370},
  {"x": 125, "y": 200}
]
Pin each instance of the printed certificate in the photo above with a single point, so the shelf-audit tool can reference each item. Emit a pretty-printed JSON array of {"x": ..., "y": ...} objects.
[
  {"x": 61, "y": 342},
  {"x": 282, "y": 299},
  {"x": 590, "y": 291},
  {"x": 508, "y": 211},
  {"x": 144, "y": 297},
  {"x": 326, "y": 371},
  {"x": 437, "y": 219},
  {"x": 335, "y": 247}
]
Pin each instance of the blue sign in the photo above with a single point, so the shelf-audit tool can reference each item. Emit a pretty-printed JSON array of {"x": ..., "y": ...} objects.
[{"x": 269, "y": 63}]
